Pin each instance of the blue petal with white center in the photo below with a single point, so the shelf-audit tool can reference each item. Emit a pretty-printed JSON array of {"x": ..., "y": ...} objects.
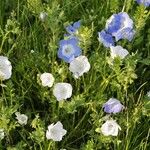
[
  {"x": 106, "y": 38},
  {"x": 146, "y": 3},
  {"x": 71, "y": 29},
  {"x": 69, "y": 49}
]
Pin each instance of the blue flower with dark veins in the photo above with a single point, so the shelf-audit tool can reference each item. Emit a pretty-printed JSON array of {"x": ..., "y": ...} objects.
[
  {"x": 71, "y": 29},
  {"x": 120, "y": 26},
  {"x": 146, "y": 3},
  {"x": 113, "y": 24},
  {"x": 69, "y": 49},
  {"x": 126, "y": 33},
  {"x": 113, "y": 106},
  {"x": 106, "y": 38}
]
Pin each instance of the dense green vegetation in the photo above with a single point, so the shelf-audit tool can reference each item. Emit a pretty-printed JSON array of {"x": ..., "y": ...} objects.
[{"x": 31, "y": 46}]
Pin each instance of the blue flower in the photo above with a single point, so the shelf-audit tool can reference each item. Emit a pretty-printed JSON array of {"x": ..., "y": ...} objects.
[
  {"x": 120, "y": 26},
  {"x": 69, "y": 49},
  {"x": 113, "y": 24},
  {"x": 106, "y": 38},
  {"x": 126, "y": 33},
  {"x": 146, "y": 3},
  {"x": 71, "y": 29},
  {"x": 113, "y": 106}
]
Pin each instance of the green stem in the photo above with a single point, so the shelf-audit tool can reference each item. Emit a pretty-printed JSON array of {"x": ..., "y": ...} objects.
[
  {"x": 79, "y": 123},
  {"x": 3, "y": 41}
]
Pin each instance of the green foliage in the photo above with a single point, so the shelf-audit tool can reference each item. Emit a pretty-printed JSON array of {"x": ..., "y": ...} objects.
[
  {"x": 85, "y": 34},
  {"x": 37, "y": 135},
  {"x": 114, "y": 6},
  {"x": 35, "y": 6},
  {"x": 32, "y": 44},
  {"x": 146, "y": 106},
  {"x": 141, "y": 15},
  {"x": 10, "y": 33}
]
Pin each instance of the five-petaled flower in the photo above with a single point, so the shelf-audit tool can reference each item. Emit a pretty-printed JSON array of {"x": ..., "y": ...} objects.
[
  {"x": 47, "y": 79},
  {"x": 22, "y": 118},
  {"x": 55, "y": 132},
  {"x": 69, "y": 49},
  {"x": 110, "y": 127},
  {"x": 71, "y": 29},
  {"x": 106, "y": 38},
  {"x": 5, "y": 68},
  {"x": 120, "y": 26},
  {"x": 113, "y": 106},
  {"x": 62, "y": 91},
  {"x": 146, "y": 3},
  {"x": 79, "y": 66},
  {"x": 118, "y": 51}
]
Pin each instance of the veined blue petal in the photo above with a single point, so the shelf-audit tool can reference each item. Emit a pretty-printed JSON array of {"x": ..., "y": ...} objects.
[
  {"x": 71, "y": 29},
  {"x": 113, "y": 106},
  {"x": 126, "y": 33},
  {"x": 106, "y": 38},
  {"x": 113, "y": 24},
  {"x": 120, "y": 26},
  {"x": 77, "y": 24}
]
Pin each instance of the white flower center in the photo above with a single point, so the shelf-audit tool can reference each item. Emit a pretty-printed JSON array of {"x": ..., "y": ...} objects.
[
  {"x": 68, "y": 50},
  {"x": 110, "y": 126}
]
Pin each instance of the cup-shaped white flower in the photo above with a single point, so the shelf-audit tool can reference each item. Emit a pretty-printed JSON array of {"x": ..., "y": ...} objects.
[
  {"x": 55, "y": 132},
  {"x": 62, "y": 91},
  {"x": 79, "y": 66},
  {"x": 5, "y": 68},
  {"x": 47, "y": 79},
  {"x": 2, "y": 134},
  {"x": 22, "y": 118},
  {"x": 110, "y": 127},
  {"x": 118, "y": 51}
]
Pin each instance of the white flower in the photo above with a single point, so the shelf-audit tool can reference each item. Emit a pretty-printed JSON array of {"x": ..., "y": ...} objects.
[
  {"x": 62, "y": 91},
  {"x": 79, "y": 66},
  {"x": 47, "y": 79},
  {"x": 118, "y": 51},
  {"x": 5, "y": 68},
  {"x": 110, "y": 127},
  {"x": 43, "y": 16},
  {"x": 22, "y": 118},
  {"x": 32, "y": 51},
  {"x": 55, "y": 132},
  {"x": 2, "y": 134}
]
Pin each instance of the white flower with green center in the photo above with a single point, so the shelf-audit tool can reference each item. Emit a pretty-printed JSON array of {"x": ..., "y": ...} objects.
[
  {"x": 55, "y": 132},
  {"x": 2, "y": 134},
  {"x": 22, "y": 118},
  {"x": 79, "y": 66},
  {"x": 110, "y": 127},
  {"x": 62, "y": 91},
  {"x": 47, "y": 79},
  {"x": 5, "y": 68},
  {"x": 118, "y": 51}
]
